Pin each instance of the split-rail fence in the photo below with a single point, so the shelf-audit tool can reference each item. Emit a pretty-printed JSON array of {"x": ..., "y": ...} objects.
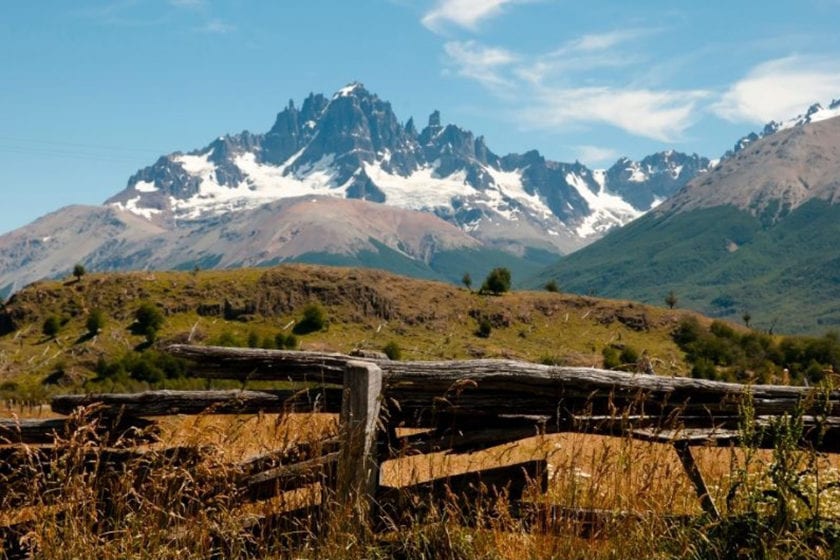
[{"x": 458, "y": 406}]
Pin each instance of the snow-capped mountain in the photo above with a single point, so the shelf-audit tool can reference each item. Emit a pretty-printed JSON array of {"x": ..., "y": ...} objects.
[
  {"x": 341, "y": 180},
  {"x": 353, "y": 146},
  {"x": 815, "y": 113}
]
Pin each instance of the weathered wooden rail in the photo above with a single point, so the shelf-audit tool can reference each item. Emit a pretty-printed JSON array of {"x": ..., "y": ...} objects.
[{"x": 460, "y": 406}]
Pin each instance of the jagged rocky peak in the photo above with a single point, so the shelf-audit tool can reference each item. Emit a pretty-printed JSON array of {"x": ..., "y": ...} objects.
[
  {"x": 354, "y": 128},
  {"x": 646, "y": 183}
]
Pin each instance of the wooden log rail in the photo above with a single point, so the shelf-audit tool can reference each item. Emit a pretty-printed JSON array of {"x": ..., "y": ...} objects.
[
  {"x": 166, "y": 402},
  {"x": 509, "y": 387}
]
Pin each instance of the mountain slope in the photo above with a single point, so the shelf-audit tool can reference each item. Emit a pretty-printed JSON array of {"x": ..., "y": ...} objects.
[{"x": 756, "y": 235}]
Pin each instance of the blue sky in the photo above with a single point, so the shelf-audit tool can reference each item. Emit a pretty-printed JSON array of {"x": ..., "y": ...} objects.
[{"x": 91, "y": 91}]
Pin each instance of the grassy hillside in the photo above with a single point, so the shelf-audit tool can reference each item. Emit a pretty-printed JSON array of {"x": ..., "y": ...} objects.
[
  {"x": 722, "y": 262},
  {"x": 364, "y": 309}
]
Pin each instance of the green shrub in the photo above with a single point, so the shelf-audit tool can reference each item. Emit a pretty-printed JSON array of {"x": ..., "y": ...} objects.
[
  {"x": 484, "y": 328},
  {"x": 497, "y": 281},
  {"x": 393, "y": 350},
  {"x": 228, "y": 339},
  {"x": 51, "y": 327},
  {"x": 551, "y": 286},
  {"x": 148, "y": 320},
  {"x": 629, "y": 357},
  {"x": 688, "y": 330},
  {"x": 703, "y": 369},
  {"x": 314, "y": 319},
  {"x": 611, "y": 357},
  {"x": 253, "y": 339},
  {"x": 95, "y": 321},
  {"x": 149, "y": 366}
]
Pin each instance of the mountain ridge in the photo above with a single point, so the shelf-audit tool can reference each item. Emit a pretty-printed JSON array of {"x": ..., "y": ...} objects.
[{"x": 353, "y": 145}]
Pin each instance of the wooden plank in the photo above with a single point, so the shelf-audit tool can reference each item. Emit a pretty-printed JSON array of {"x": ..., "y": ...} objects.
[
  {"x": 358, "y": 469},
  {"x": 44, "y": 431},
  {"x": 165, "y": 402},
  {"x": 683, "y": 450},
  {"x": 257, "y": 364},
  {"x": 28, "y": 430}
]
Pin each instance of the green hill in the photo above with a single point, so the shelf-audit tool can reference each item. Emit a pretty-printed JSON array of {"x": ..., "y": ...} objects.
[{"x": 366, "y": 309}]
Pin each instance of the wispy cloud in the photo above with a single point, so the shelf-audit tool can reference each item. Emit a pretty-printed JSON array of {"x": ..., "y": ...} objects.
[
  {"x": 480, "y": 63},
  {"x": 586, "y": 53},
  {"x": 217, "y": 26},
  {"x": 780, "y": 89},
  {"x": 549, "y": 94},
  {"x": 596, "y": 154},
  {"x": 660, "y": 115},
  {"x": 601, "y": 41},
  {"x": 463, "y": 13}
]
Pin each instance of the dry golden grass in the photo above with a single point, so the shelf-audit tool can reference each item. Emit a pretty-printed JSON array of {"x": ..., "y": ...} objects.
[{"x": 184, "y": 512}]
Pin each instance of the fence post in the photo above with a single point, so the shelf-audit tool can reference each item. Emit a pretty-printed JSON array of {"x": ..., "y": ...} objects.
[{"x": 358, "y": 469}]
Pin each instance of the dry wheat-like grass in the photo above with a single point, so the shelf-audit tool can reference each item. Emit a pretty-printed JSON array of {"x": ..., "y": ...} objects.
[{"x": 71, "y": 500}]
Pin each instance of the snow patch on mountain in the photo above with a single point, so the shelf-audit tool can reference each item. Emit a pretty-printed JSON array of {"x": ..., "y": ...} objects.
[
  {"x": 422, "y": 190},
  {"x": 134, "y": 206},
  {"x": 145, "y": 187},
  {"x": 263, "y": 184},
  {"x": 509, "y": 184},
  {"x": 607, "y": 210}
]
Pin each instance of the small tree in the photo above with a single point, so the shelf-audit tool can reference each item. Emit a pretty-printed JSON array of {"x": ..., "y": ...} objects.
[
  {"x": 51, "y": 326},
  {"x": 95, "y": 322},
  {"x": 497, "y": 281},
  {"x": 746, "y": 318},
  {"x": 148, "y": 320},
  {"x": 78, "y": 272},
  {"x": 314, "y": 319},
  {"x": 551, "y": 286},
  {"x": 466, "y": 280},
  {"x": 671, "y": 299}
]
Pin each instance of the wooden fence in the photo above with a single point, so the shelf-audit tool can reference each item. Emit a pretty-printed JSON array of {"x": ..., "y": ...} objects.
[{"x": 459, "y": 405}]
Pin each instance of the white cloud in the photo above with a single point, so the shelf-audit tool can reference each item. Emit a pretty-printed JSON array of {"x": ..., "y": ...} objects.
[
  {"x": 660, "y": 115},
  {"x": 548, "y": 93},
  {"x": 596, "y": 154},
  {"x": 601, "y": 41},
  {"x": 480, "y": 63},
  {"x": 780, "y": 89},
  {"x": 464, "y": 13},
  {"x": 217, "y": 26}
]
